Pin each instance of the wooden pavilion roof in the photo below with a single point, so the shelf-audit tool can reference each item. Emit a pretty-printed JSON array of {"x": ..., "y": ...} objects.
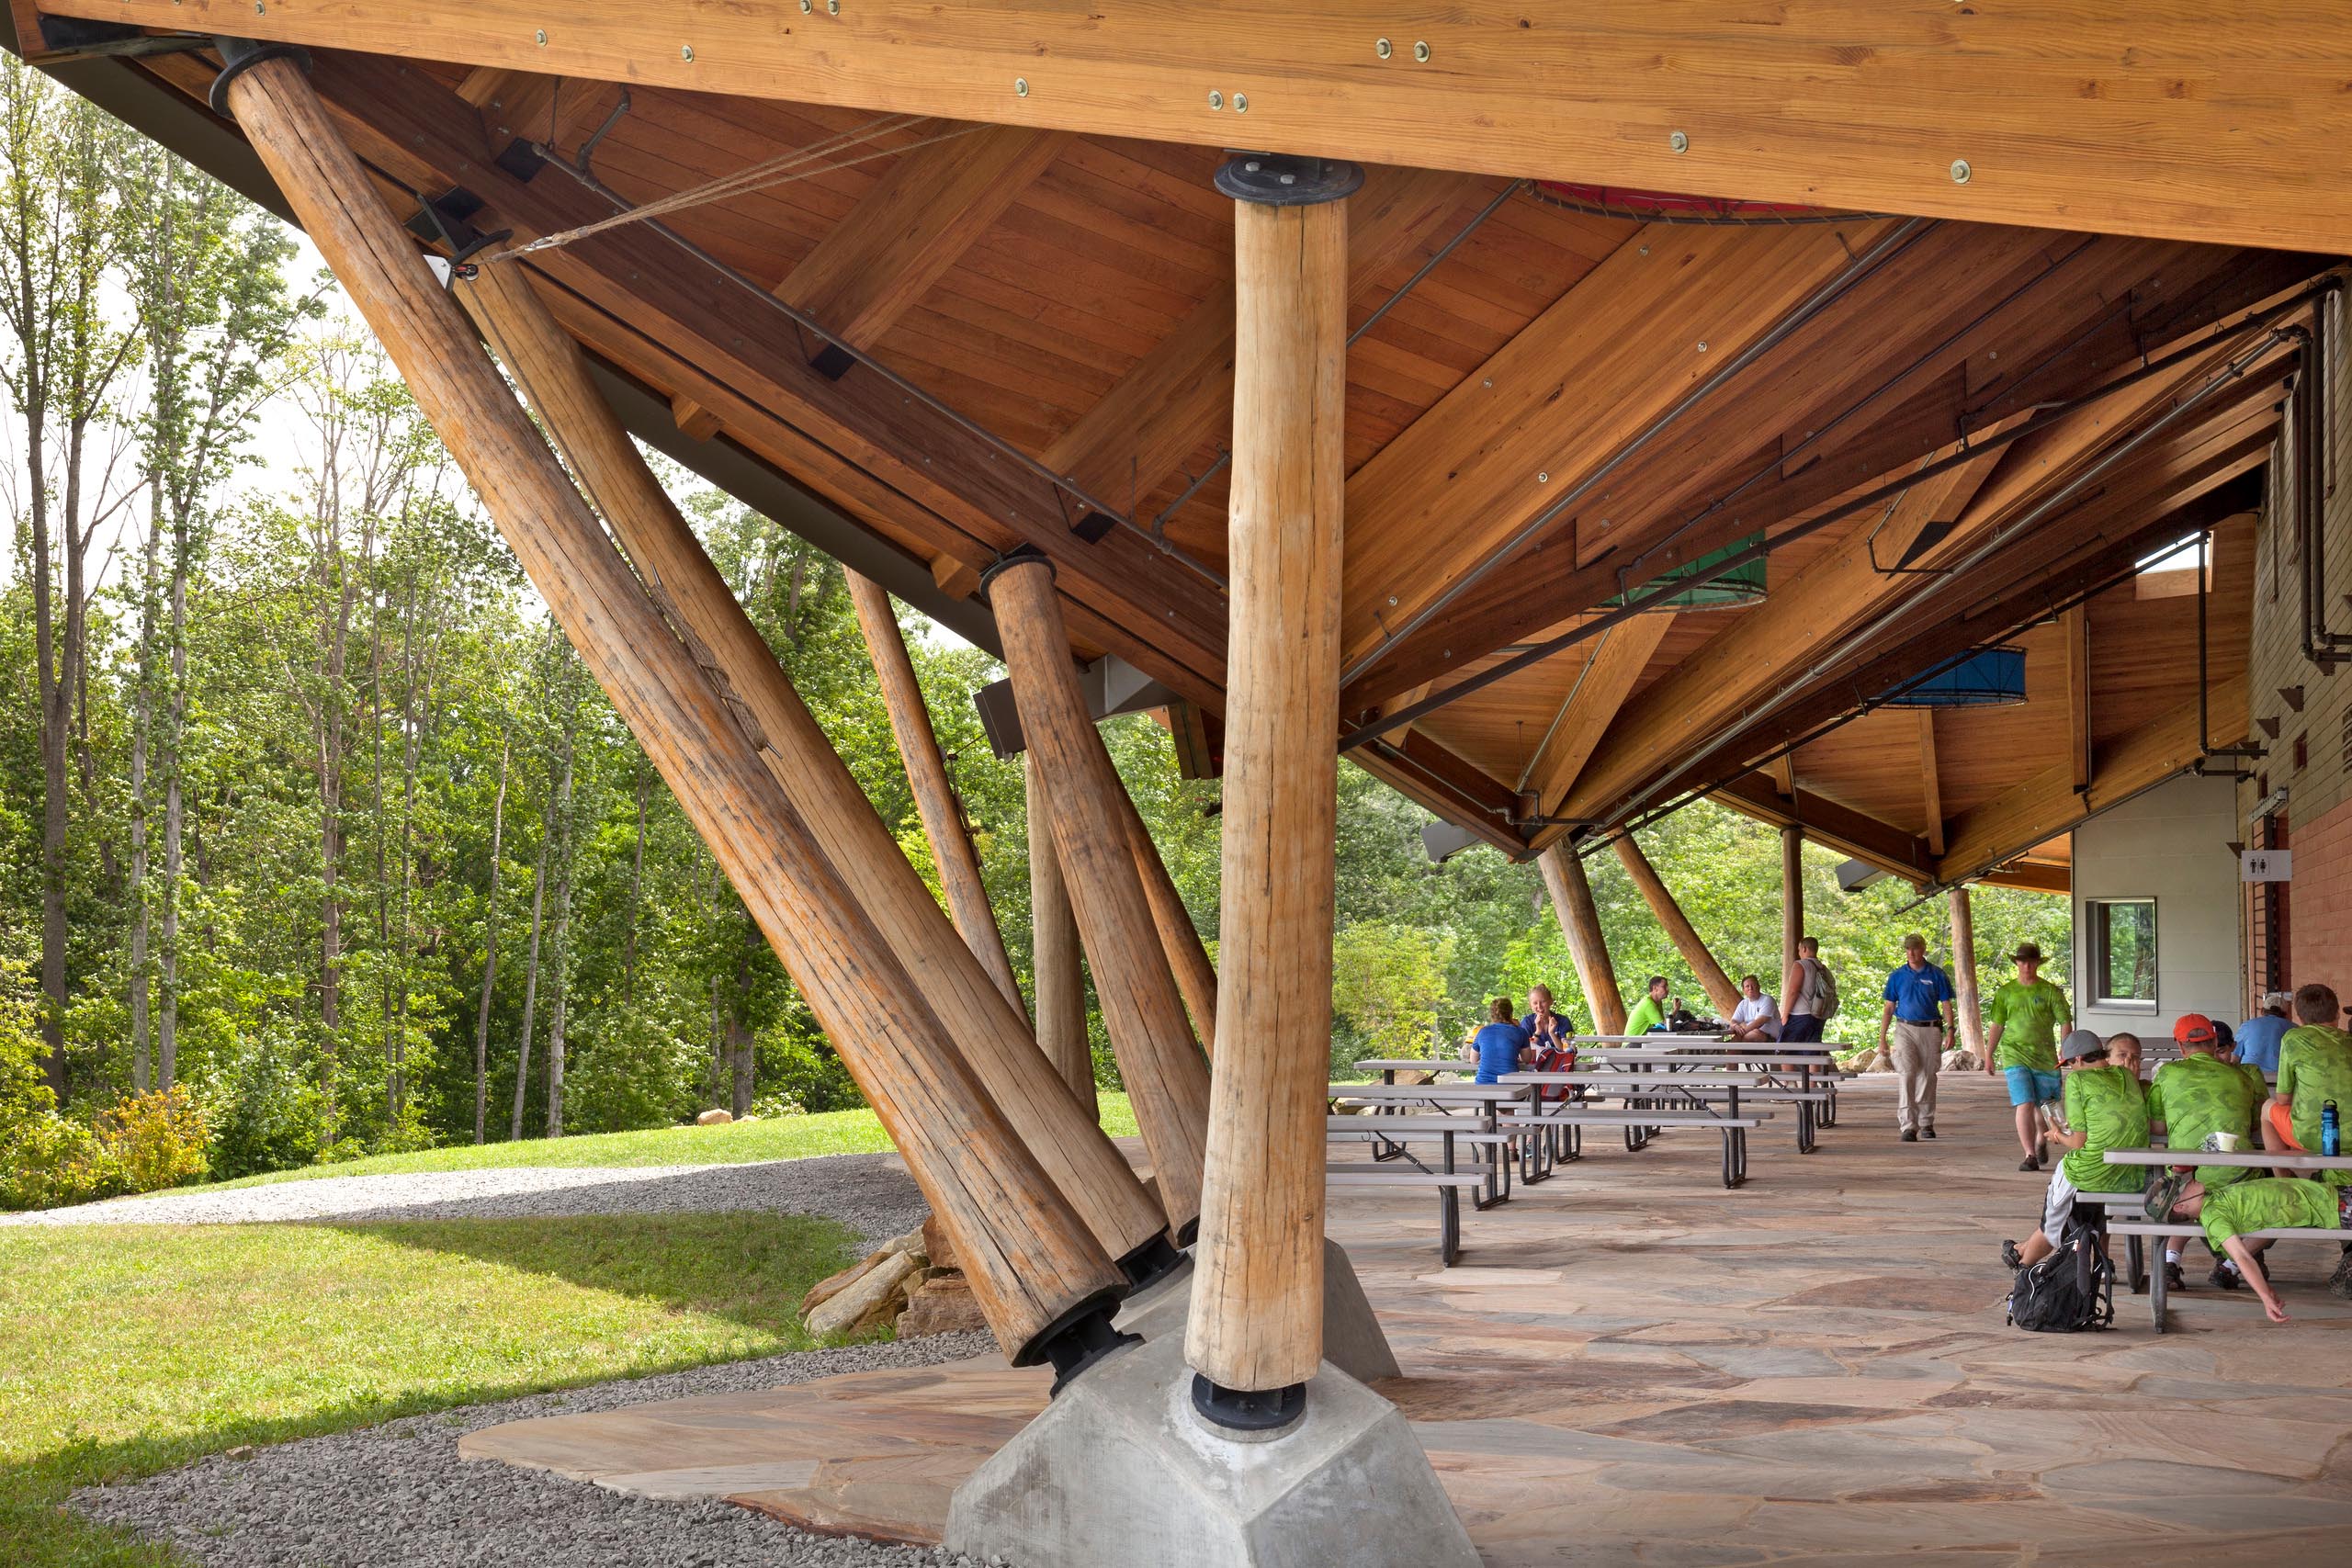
[{"x": 1959, "y": 411}]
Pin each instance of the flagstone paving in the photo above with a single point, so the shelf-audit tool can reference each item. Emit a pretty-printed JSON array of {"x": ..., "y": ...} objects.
[{"x": 1631, "y": 1364}]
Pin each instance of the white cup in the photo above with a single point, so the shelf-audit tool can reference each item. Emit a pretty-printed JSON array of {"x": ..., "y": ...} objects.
[{"x": 2222, "y": 1142}]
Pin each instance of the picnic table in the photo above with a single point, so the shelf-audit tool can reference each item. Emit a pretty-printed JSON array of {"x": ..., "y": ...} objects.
[
  {"x": 1699, "y": 1108},
  {"x": 1389, "y": 1066},
  {"x": 1812, "y": 1113},
  {"x": 2251, "y": 1159},
  {"x": 1484, "y": 1100}
]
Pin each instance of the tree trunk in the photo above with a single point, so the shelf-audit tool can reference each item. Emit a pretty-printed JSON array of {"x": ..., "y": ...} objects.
[
  {"x": 635, "y": 884},
  {"x": 1964, "y": 975},
  {"x": 739, "y": 1032},
  {"x": 560, "y": 981},
  {"x": 1572, "y": 904},
  {"x": 142, "y": 727},
  {"x": 168, "y": 977},
  {"x": 1060, "y": 987},
  {"x": 531, "y": 968},
  {"x": 490, "y": 941}
]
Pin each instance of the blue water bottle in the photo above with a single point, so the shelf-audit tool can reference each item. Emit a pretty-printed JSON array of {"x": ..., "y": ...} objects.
[{"x": 2330, "y": 1131}]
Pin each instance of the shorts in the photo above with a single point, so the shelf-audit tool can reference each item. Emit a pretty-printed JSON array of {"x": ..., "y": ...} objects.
[
  {"x": 2030, "y": 1086},
  {"x": 1799, "y": 1028},
  {"x": 2057, "y": 1207}
]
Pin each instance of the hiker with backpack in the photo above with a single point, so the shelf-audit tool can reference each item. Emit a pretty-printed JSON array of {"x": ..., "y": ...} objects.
[
  {"x": 2102, "y": 1109},
  {"x": 1812, "y": 993}
]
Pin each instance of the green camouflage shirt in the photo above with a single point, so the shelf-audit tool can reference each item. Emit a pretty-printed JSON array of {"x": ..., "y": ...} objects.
[
  {"x": 2316, "y": 1067},
  {"x": 2199, "y": 1096},
  {"x": 2030, "y": 1018},
  {"x": 2105, "y": 1104},
  {"x": 2275, "y": 1205}
]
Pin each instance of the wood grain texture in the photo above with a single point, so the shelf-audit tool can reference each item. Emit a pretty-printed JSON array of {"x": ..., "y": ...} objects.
[
  {"x": 1595, "y": 703},
  {"x": 2073, "y": 626},
  {"x": 1966, "y": 1004},
  {"x": 1166, "y": 1074},
  {"x": 1572, "y": 906},
  {"x": 986, "y": 1026},
  {"x": 1930, "y": 782},
  {"x": 1687, "y": 940},
  {"x": 1792, "y": 896},
  {"x": 2196, "y": 120},
  {"x": 1256, "y": 1308},
  {"x": 1059, "y": 1004},
  {"x": 937, "y": 802},
  {"x": 1028, "y": 1256},
  {"x": 1179, "y": 939}
]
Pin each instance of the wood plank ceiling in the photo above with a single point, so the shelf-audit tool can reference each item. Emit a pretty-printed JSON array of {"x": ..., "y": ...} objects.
[{"x": 1955, "y": 433}]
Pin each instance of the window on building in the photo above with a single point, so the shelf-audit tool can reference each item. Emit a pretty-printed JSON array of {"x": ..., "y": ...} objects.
[{"x": 2122, "y": 952}]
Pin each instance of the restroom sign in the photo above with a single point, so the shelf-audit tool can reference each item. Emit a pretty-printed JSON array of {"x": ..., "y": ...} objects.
[{"x": 2266, "y": 865}]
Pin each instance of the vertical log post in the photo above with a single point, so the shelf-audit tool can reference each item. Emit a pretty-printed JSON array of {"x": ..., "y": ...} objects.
[
  {"x": 989, "y": 1033},
  {"x": 1710, "y": 974},
  {"x": 1060, "y": 1001},
  {"x": 1166, "y": 1074},
  {"x": 1041, "y": 1279},
  {"x": 1579, "y": 919},
  {"x": 1966, "y": 1000},
  {"x": 936, "y": 800},
  {"x": 1792, "y": 898},
  {"x": 1188, "y": 956},
  {"x": 1255, "y": 1334}
]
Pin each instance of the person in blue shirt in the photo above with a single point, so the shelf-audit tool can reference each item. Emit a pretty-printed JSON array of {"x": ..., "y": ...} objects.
[
  {"x": 1545, "y": 1027},
  {"x": 1918, "y": 1011},
  {"x": 1500, "y": 1042},
  {"x": 2258, "y": 1036}
]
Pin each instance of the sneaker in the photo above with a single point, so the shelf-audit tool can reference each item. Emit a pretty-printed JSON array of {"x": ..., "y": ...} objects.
[
  {"x": 2015, "y": 1259},
  {"x": 1909, "y": 1136},
  {"x": 1927, "y": 1132},
  {"x": 2223, "y": 1278},
  {"x": 2029, "y": 1164},
  {"x": 2163, "y": 1194},
  {"x": 2173, "y": 1279}
]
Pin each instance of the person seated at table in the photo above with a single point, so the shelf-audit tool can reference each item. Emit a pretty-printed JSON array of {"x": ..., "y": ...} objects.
[
  {"x": 2229, "y": 1214},
  {"x": 2258, "y": 1036},
  {"x": 1758, "y": 1016},
  {"x": 2124, "y": 1051},
  {"x": 1648, "y": 1016},
  {"x": 2316, "y": 1069},
  {"x": 1546, "y": 1030},
  {"x": 2196, "y": 1098},
  {"x": 1501, "y": 1043},
  {"x": 2102, "y": 1109}
]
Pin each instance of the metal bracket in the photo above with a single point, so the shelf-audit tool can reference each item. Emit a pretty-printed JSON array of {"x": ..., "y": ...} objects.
[
  {"x": 1277, "y": 179},
  {"x": 447, "y": 220},
  {"x": 1249, "y": 1410},
  {"x": 238, "y": 55},
  {"x": 79, "y": 37}
]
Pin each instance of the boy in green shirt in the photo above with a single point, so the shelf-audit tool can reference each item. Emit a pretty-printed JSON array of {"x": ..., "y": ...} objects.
[
  {"x": 2229, "y": 1214},
  {"x": 2026, "y": 1015},
  {"x": 1649, "y": 1014},
  {"x": 2316, "y": 1067},
  {"x": 2196, "y": 1097},
  {"x": 2103, "y": 1110}
]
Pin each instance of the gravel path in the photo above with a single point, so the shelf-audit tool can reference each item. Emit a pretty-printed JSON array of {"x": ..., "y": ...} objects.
[
  {"x": 398, "y": 1497},
  {"x": 871, "y": 1194}
]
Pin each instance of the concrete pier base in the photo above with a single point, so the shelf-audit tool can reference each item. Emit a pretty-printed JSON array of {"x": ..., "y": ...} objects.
[
  {"x": 1353, "y": 1340},
  {"x": 1121, "y": 1469}
]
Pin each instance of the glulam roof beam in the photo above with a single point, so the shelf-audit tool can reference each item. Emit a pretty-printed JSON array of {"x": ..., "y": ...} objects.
[{"x": 2205, "y": 122}]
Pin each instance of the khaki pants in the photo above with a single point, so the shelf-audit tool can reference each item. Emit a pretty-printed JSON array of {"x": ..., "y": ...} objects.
[{"x": 1916, "y": 1052}]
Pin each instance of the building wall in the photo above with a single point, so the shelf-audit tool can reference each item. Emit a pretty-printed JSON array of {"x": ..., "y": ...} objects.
[
  {"x": 2170, "y": 843},
  {"x": 2316, "y": 824}
]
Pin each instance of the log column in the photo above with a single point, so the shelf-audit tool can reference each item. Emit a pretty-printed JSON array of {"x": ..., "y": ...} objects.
[
  {"x": 1166, "y": 1074},
  {"x": 1711, "y": 976},
  {"x": 1032, "y": 1264},
  {"x": 935, "y": 801},
  {"x": 1255, "y": 1335},
  {"x": 1179, "y": 939},
  {"x": 1060, "y": 1003},
  {"x": 1792, "y": 896},
  {"x": 1965, "y": 1001},
  {"x": 989, "y": 1033},
  {"x": 1579, "y": 919}
]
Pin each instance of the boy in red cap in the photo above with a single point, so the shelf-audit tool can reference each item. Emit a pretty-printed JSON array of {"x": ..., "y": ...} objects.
[{"x": 2195, "y": 1099}]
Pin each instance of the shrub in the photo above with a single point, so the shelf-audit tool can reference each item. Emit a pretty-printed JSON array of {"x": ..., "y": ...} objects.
[
  {"x": 47, "y": 1160},
  {"x": 155, "y": 1140},
  {"x": 628, "y": 1070},
  {"x": 264, "y": 1110},
  {"x": 771, "y": 1105}
]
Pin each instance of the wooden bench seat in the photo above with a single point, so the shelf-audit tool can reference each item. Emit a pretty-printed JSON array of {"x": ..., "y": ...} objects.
[
  {"x": 2139, "y": 1230},
  {"x": 1447, "y": 1188},
  {"x": 1570, "y": 1117}
]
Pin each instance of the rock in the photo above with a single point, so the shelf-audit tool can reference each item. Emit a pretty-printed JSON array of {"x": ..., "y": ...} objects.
[
  {"x": 909, "y": 1244},
  {"x": 833, "y": 1285},
  {"x": 857, "y": 1301},
  {"x": 942, "y": 1304},
  {"x": 1961, "y": 1059},
  {"x": 937, "y": 1245},
  {"x": 712, "y": 1119}
]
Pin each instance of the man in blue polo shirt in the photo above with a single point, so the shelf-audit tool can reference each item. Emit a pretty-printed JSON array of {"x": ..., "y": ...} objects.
[{"x": 1918, "y": 1011}]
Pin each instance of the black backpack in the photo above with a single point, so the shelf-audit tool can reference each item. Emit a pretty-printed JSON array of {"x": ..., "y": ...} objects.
[{"x": 2070, "y": 1291}]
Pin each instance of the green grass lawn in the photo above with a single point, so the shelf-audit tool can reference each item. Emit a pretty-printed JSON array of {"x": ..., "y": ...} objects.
[
  {"x": 783, "y": 1137},
  {"x": 126, "y": 1350}
]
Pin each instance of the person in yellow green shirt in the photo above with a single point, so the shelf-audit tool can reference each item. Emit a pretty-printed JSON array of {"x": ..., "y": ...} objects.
[
  {"x": 2103, "y": 1110},
  {"x": 2315, "y": 1068},
  {"x": 2026, "y": 1015},
  {"x": 2232, "y": 1214},
  {"x": 2197, "y": 1097},
  {"x": 1648, "y": 1016}
]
